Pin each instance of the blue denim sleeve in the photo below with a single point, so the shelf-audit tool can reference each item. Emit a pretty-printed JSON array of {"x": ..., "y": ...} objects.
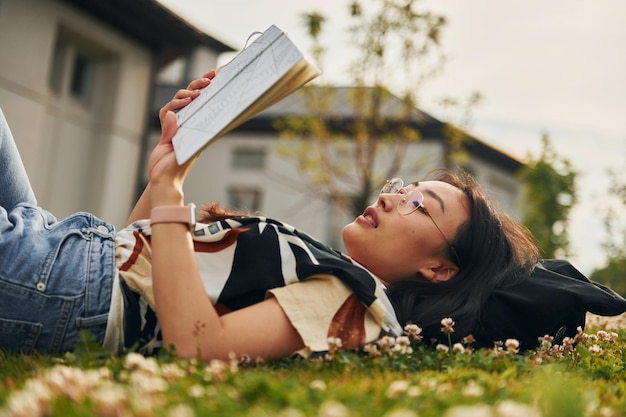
[{"x": 14, "y": 181}]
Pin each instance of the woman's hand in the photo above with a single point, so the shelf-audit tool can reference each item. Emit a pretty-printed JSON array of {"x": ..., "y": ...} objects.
[
  {"x": 184, "y": 96},
  {"x": 162, "y": 168},
  {"x": 166, "y": 176}
]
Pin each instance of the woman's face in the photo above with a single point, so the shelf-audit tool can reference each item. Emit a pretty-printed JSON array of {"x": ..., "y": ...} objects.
[{"x": 394, "y": 246}]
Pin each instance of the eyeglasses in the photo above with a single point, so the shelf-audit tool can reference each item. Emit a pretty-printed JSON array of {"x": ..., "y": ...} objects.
[{"x": 411, "y": 202}]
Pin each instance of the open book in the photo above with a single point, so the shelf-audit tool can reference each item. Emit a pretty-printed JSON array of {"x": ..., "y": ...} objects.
[{"x": 263, "y": 73}]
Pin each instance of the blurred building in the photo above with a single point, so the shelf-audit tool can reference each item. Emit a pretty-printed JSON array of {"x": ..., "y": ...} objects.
[
  {"x": 76, "y": 85},
  {"x": 81, "y": 82}
]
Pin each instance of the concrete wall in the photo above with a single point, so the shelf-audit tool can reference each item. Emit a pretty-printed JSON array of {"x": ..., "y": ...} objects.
[{"x": 81, "y": 154}]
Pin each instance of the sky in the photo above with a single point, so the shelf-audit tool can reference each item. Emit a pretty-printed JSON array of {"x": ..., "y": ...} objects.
[{"x": 555, "y": 67}]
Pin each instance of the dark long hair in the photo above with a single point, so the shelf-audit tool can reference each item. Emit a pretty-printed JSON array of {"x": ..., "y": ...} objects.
[{"x": 492, "y": 249}]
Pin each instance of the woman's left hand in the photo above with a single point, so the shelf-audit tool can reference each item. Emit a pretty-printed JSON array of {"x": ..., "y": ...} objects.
[
  {"x": 184, "y": 96},
  {"x": 165, "y": 173}
]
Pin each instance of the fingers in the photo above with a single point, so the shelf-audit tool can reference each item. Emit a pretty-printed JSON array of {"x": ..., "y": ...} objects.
[
  {"x": 184, "y": 96},
  {"x": 168, "y": 127},
  {"x": 202, "y": 82},
  {"x": 168, "y": 130},
  {"x": 180, "y": 100}
]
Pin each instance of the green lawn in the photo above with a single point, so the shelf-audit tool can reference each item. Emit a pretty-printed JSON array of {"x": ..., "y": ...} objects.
[{"x": 588, "y": 379}]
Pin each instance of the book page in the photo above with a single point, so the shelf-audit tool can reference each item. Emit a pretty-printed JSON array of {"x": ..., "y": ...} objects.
[{"x": 264, "y": 72}]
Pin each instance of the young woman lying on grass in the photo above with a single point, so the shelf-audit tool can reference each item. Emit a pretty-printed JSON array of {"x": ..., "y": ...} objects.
[{"x": 252, "y": 285}]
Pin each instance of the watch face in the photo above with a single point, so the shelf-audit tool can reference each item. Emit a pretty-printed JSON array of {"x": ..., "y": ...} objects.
[{"x": 192, "y": 214}]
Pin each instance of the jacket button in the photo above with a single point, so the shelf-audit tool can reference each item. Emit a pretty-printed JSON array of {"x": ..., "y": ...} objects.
[
  {"x": 103, "y": 229},
  {"x": 41, "y": 286}
]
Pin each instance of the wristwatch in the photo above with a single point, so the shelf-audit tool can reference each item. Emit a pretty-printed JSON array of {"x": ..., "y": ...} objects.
[{"x": 174, "y": 214}]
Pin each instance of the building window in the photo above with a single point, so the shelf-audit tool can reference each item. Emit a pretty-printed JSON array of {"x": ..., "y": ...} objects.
[
  {"x": 173, "y": 73},
  {"x": 245, "y": 199},
  {"x": 246, "y": 158},
  {"x": 82, "y": 69},
  {"x": 72, "y": 70},
  {"x": 58, "y": 64}
]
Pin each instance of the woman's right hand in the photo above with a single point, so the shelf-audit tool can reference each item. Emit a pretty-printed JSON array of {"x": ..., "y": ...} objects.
[{"x": 184, "y": 96}]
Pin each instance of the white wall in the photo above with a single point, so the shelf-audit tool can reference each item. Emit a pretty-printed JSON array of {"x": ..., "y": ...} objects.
[
  {"x": 80, "y": 155},
  {"x": 503, "y": 188}
]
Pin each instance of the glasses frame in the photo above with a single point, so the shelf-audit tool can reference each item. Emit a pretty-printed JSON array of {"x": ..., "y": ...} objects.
[{"x": 395, "y": 186}]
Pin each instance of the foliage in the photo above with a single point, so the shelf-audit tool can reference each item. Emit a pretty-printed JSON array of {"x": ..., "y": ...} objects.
[
  {"x": 454, "y": 133},
  {"x": 550, "y": 195},
  {"x": 583, "y": 379},
  {"x": 614, "y": 272},
  {"x": 344, "y": 159}
]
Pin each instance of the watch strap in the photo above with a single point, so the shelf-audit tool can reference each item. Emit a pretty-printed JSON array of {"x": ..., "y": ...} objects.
[{"x": 174, "y": 214}]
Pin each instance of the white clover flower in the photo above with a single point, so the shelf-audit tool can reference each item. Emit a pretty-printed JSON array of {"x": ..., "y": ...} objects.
[
  {"x": 110, "y": 400},
  {"x": 430, "y": 384},
  {"x": 447, "y": 322},
  {"x": 216, "y": 369},
  {"x": 24, "y": 404},
  {"x": 90, "y": 379},
  {"x": 333, "y": 409},
  {"x": 448, "y": 325},
  {"x": 400, "y": 413},
  {"x": 386, "y": 342},
  {"x": 68, "y": 381},
  {"x": 605, "y": 412},
  {"x": 509, "y": 408},
  {"x": 196, "y": 391},
  {"x": 172, "y": 372},
  {"x": 402, "y": 346},
  {"x": 595, "y": 349},
  {"x": 403, "y": 341},
  {"x": 290, "y": 412},
  {"x": 136, "y": 362},
  {"x": 181, "y": 410},
  {"x": 133, "y": 360},
  {"x": 444, "y": 388},
  {"x": 472, "y": 389},
  {"x": 512, "y": 346},
  {"x": 458, "y": 347},
  {"x": 413, "y": 391},
  {"x": 317, "y": 385},
  {"x": 442, "y": 348},
  {"x": 413, "y": 331},
  {"x": 144, "y": 405},
  {"x": 402, "y": 350},
  {"x": 148, "y": 384},
  {"x": 39, "y": 389},
  {"x": 372, "y": 350},
  {"x": 334, "y": 344},
  {"x": 478, "y": 410},
  {"x": 397, "y": 388}
]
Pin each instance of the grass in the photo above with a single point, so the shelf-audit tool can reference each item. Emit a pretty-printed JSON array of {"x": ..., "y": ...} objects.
[{"x": 588, "y": 379}]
